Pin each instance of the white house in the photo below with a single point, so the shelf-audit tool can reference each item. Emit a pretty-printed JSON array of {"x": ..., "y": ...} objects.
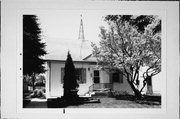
[
  {"x": 87, "y": 73},
  {"x": 90, "y": 78}
]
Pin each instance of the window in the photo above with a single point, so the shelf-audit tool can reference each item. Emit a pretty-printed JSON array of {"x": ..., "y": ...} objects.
[
  {"x": 96, "y": 76},
  {"x": 117, "y": 77},
  {"x": 80, "y": 75}
]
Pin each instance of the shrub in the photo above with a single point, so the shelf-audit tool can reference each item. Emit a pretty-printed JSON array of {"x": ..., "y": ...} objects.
[
  {"x": 39, "y": 93},
  {"x": 38, "y": 83}
]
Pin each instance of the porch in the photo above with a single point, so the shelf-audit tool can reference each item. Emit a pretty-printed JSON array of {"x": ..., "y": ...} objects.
[{"x": 101, "y": 87}]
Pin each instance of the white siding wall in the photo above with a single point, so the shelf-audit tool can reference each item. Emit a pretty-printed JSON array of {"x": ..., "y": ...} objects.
[
  {"x": 56, "y": 87},
  {"x": 156, "y": 81},
  {"x": 55, "y": 79},
  {"x": 156, "y": 84},
  {"x": 47, "y": 79}
]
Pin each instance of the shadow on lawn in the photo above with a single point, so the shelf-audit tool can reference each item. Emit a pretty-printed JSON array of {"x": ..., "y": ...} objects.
[
  {"x": 146, "y": 99},
  {"x": 62, "y": 103}
]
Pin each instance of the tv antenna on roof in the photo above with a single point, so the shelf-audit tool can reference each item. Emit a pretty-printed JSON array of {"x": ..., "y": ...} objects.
[
  {"x": 81, "y": 31},
  {"x": 81, "y": 36},
  {"x": 82, "y": 40}
]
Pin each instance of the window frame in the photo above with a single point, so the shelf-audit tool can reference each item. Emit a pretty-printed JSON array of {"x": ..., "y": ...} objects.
[
  {"x": 98, "y": 76},
  {"x": 82, "y": 76}
]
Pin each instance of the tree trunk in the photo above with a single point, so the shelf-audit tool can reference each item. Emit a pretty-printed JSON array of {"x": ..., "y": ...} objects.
[
  {"x": 136, "y": 91},
  {"x": 137, "y": 94},
  {"x": 33, "y": 81}
]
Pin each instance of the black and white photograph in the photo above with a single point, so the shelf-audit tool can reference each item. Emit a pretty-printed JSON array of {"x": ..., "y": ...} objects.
[
  {"x": 74, "y": 59},
  {"x": 89, "y": 59}
]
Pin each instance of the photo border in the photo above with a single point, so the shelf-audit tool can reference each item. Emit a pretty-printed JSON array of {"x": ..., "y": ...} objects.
[{"x": 30, "y": 9}]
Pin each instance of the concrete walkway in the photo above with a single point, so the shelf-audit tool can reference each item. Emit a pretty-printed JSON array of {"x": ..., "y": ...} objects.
[{"x": 37, "y": 103}]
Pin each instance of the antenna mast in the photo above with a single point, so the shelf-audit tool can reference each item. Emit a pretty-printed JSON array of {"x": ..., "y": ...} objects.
[{"x": 81, "y": 36}]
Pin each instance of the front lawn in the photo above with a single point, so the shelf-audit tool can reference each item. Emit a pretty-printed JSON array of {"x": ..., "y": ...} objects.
[{"x": 107, "y": 102}]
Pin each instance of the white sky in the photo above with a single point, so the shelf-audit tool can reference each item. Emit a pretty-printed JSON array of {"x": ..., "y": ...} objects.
[{"x": 61, "y": 29}]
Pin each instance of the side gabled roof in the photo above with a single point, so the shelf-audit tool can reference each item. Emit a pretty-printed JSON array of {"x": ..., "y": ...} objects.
[{"x": 90, "y": 58}]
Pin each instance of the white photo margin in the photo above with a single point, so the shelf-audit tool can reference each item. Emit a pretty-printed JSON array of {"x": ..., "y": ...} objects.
[{"x": 12, "y": 12}]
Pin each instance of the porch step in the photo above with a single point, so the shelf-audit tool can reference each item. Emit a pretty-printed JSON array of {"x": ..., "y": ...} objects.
[
  {"x": 101, "y": 94},
  {"x": 102, "y": 90}
]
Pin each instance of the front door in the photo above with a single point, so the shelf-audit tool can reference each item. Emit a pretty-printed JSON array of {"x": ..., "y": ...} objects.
[{"x": 96, "y": 76}]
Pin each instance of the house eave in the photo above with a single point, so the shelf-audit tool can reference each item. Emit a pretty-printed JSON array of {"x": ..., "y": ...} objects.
[{"x": 76, "y": 61}]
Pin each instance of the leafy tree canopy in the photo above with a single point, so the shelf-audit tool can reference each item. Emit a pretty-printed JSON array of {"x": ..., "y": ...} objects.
[
  {"x": 140, "y": 22},
  {"x": 131, "y": 42}
]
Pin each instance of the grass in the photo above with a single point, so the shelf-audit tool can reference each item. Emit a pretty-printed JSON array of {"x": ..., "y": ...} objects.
[{"x": 106, "y": 102}]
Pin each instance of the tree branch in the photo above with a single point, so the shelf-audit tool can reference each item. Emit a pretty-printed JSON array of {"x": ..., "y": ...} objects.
[
  {"x": 144, "y": 84},
  {"x": 127, "y": 73}
]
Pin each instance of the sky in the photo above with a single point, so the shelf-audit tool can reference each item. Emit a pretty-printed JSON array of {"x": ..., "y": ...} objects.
[{"x": 60, "y": 31}]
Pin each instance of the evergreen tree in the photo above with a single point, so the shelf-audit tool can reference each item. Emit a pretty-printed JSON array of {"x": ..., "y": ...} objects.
[
  {"x": 33, "y": 48},
  {"x": 70, "y": 82}
]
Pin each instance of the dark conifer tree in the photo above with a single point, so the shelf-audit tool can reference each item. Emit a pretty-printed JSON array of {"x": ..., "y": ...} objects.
[
  {"x": 70, "y": 82},
  {"x": 33, "y": 47}
]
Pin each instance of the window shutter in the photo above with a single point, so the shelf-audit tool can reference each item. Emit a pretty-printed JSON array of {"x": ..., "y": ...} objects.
[
  {"x": 110, "y": 78},
  {"x": 120, "y": 77},
  {"x": 62, "y": 75},
  {"x": 84, "y": 75}
]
